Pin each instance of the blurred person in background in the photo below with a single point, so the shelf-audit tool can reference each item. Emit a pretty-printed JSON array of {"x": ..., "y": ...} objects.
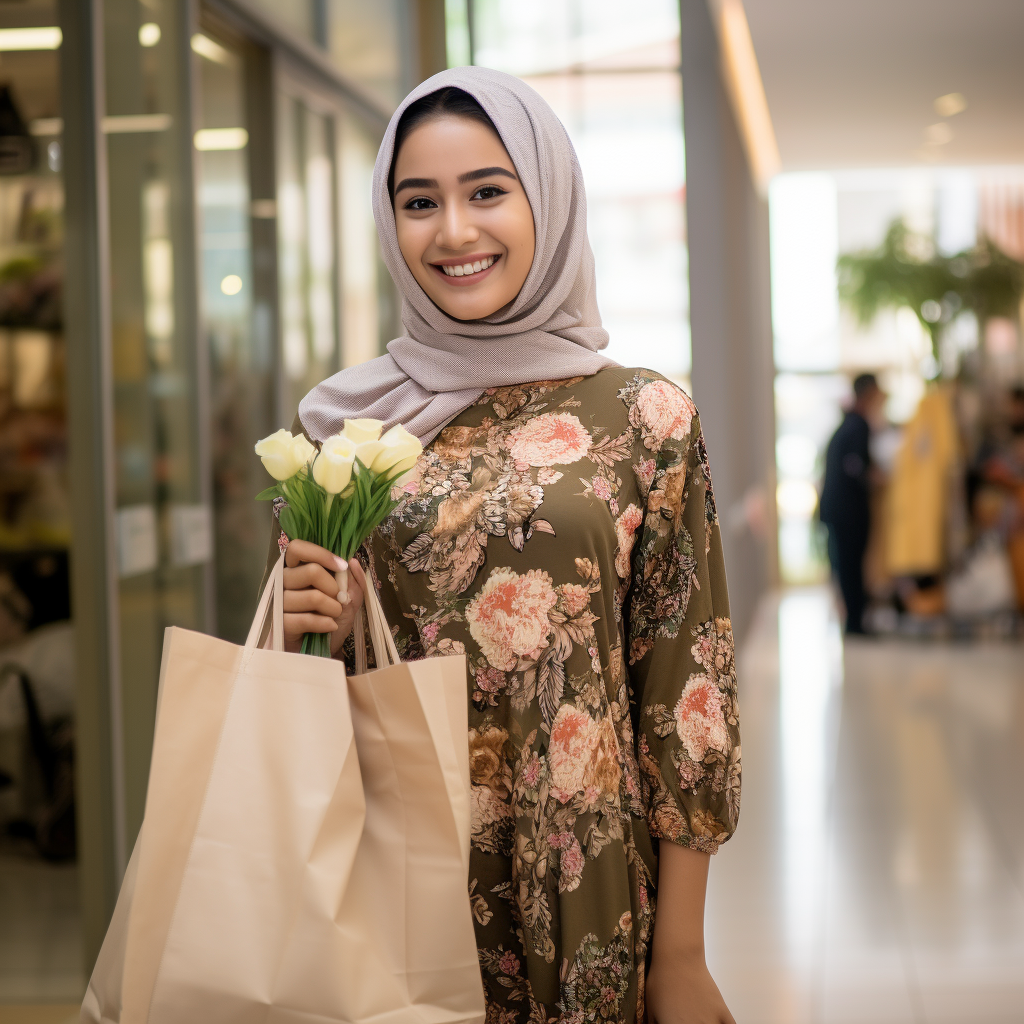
[
  {"x": 996, "y": 487},
  {"x": 846, "y": 496}
]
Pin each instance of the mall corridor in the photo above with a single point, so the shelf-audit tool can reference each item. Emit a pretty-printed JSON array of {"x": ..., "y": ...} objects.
[{"x": 878, "y": 871}]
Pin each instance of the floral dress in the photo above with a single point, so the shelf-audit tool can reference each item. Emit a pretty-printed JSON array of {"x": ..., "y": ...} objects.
[{"x": 563, "y": 535}]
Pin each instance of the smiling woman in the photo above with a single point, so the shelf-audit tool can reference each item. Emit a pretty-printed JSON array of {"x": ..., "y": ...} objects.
[
  {"x": 464, "y": 222},
  {"x": 559, "y": 532}
]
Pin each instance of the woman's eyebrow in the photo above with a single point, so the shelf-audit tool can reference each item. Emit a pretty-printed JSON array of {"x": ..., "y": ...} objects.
[
  {"x": 415, "y": 183},
  {"x": 485, "y": 172}
]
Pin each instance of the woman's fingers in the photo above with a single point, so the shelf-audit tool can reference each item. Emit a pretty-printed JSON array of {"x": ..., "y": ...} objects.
[
  {"x": 297, "y": 624},
  {"x": 299, "y": 551},
  {"x": 311, "y": 574},
  {"x": 310, "y": 600}
]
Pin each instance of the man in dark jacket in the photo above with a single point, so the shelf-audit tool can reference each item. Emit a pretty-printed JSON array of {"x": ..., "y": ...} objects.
[{"x": 845, "y": 496}]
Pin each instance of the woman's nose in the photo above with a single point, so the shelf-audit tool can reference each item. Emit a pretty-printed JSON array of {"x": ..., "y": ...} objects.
[{"x": 457, "y": 228}]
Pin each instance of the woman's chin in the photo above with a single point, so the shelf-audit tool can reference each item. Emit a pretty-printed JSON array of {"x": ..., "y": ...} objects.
[{"x": 476, "y": 307}]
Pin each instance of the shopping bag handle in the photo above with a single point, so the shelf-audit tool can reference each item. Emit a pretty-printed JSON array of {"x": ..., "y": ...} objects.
[
  {"x": 385, "y": 651},
  {"x": 272, "y": 603}
]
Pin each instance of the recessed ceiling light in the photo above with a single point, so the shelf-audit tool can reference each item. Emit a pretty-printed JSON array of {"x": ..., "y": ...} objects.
[
  {"x": 43, "y": 38},
  {"x": 213, "y": 139},
  {"x": 938, "y": 134},
  {"x": 206, "y": 47},
  {"x": 950, "y": 104}
]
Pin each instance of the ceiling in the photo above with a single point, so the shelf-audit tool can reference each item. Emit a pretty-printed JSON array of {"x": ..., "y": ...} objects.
[{"x": 853, "y": 84}]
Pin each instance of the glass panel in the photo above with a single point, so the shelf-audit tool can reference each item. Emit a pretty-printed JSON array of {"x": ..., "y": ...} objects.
[
  {"x": 162, "y": 531},
  {"x": 362, "y": 315},
  {"x": 365, "y": 42},
  {"x": 241, "y": 356},
  {"x": 307, "y": 240},
  {"x": 297, "y": 15},
  {"x": 611, "y": 73},
  {"x": 40, "y": 944}
]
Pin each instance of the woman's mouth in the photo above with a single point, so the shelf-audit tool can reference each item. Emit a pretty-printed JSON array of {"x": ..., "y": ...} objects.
[{"x": 469, "y": 272}]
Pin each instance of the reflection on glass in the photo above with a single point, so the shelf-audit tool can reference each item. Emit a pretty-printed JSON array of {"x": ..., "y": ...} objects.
[
  {"x": 365, "y": 42},
  {"x": 241, "y": 362},
  {"x": 361, "y": 319},
  {"x": 611, "y": 73},
  {"x": 34, "y": 500},
  {"x": 300, "y": 16},
  {"x": 306, "y": 249},
  {"x": 161, "y": 528}
]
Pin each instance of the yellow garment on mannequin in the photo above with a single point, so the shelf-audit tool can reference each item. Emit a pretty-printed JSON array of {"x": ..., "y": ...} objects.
[{"x": 918, "y": 490}]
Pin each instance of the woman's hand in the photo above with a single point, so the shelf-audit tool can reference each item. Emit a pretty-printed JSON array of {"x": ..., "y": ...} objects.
[
  {"x": 680, "y": 989},
  {"x": 312, "y": 603}
]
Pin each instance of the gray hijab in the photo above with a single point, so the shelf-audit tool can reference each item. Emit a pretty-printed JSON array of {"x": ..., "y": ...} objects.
[{"x": 552, "y": 330}]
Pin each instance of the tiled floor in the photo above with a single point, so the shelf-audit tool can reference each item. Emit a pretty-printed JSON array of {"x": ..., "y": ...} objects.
[{"x": 878, "y": 871}]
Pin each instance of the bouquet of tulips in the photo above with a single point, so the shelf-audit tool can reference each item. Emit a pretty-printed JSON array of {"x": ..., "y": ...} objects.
[{"x": 337, "y": 496}]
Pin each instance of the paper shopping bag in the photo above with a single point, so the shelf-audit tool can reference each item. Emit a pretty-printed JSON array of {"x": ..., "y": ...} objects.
[
  {"x": 254, "y": 784},
  {"x": 258, "y": 894},
  {"x": 403, "y": 936}
]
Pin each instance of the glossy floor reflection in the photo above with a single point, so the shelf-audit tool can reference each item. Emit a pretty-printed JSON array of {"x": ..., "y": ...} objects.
[{"x": 878, "y": 871}]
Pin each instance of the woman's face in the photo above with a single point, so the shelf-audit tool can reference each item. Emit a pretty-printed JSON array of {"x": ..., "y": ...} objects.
[{"x": 465, "y": 226}]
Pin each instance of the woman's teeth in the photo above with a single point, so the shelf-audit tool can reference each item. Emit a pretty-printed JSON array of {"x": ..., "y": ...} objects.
[{"x": 468, "y": 268}]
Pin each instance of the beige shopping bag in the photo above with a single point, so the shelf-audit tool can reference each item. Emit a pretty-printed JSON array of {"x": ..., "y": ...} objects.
[
  {"x": 403, "y": 936},
  {"x": 255, "y": 893}
]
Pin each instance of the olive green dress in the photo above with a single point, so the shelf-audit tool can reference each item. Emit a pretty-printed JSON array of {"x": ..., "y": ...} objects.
[{"x": 563, "y": 535}]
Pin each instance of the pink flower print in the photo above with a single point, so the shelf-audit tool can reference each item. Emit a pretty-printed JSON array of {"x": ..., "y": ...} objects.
[
  {"x": 531, "y": 773},
  {"x": 509, "y": 964},
  {"x": 665, "y": 410},
  {"x": 570, "y": 863},
  {"x": 553, "y": 438},
  {"x": 583, "y": 755},
  {"x": 508, "y": 618},
  {"x": 700, "y": 721},
  {"x": 282, "y": 542},
  {"x": 486, "y": 808},
  {"x": 560, "y": 840},
  {"x": 602, "y": 488},
  {"x": 575, "y": 598},
  {"x": 490, "y": 680},
  {"x": 625, "y": 530},
  {"x": 613, "y": 507},
  {"x": 626, "y": 921},
  {"x": 574, "y": 741},
  {"x": 429, "y": 632},
  {"x": 645, "y": 474},
  {"x": 548, "y": 476},
  {"x": 703, "y": 651}
]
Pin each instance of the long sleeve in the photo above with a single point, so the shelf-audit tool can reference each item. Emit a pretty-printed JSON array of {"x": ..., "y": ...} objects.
[{"x": 681, "y": 655}]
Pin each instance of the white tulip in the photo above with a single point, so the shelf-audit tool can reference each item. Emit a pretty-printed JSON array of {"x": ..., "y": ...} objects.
[
  {"x": 399, "y": 452},
  {"x": 333, "y": 467},
  {"x": 367, "y": 451},
  {"x": 283, "y": 455},
  {"x": 362, "y": 430},
  {"x": 302, "y": 450}
]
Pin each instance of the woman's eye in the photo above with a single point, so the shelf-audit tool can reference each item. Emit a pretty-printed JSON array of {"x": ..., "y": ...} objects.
[
  {"x": 489, "y": 192},
  {"x": 420, "y": 203}
]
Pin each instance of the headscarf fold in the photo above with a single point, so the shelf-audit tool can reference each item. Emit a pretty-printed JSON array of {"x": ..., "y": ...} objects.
[{"x": 551, "y": 331}]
